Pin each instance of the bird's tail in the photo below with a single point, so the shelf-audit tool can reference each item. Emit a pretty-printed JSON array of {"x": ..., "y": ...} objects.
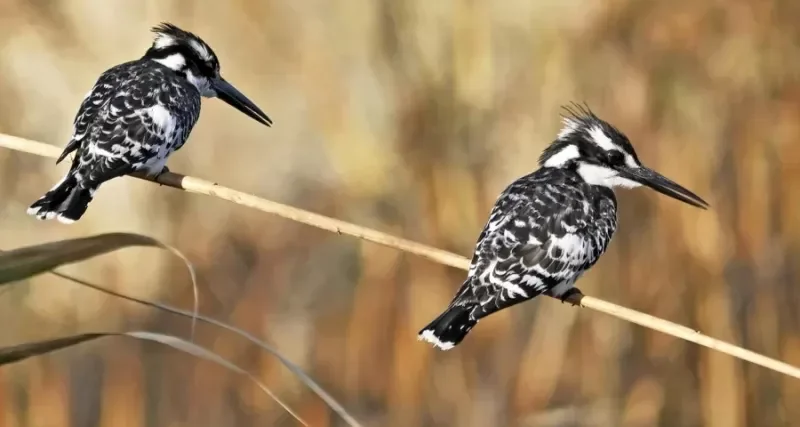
[
  {"x": 447, "y": 330},
  {"x": 67, "y": 201}
]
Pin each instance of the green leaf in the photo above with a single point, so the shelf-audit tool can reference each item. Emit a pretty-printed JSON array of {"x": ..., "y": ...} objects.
[
  {"x": 23, "y": 351},
  {"x": 22, "y": 263}
]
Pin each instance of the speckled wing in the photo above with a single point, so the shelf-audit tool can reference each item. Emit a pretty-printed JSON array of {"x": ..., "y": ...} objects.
[
  {"x": 94, "y": 101},
  {"x": 144, "y": 120},
  {"x": 540, "y": 238}
]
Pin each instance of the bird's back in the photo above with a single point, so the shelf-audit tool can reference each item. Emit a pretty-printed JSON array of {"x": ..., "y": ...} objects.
[
  {"x": 544, "y": 231},
  {"x": 134, "y": 109}
]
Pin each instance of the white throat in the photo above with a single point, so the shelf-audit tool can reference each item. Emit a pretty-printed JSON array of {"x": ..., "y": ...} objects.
[
  {"x": 202, "y": 84},
  {"x": 606, "y": 177}
]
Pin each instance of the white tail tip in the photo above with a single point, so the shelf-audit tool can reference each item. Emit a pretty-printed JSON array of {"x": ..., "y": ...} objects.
[
  {"x": 64, "y": 220},
  {"x": 427, "y": 335}
]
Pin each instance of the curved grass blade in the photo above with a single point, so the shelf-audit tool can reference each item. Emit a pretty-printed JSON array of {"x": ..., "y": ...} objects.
[
  {"x": 22, "y": 263},
  {"x": 204, "y": 353},
  {"x": 20, "y": 352},
  {"x": 304, "y": 377}
]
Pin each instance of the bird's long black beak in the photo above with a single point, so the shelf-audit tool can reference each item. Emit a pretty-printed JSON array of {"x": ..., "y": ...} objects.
[
  {"x": 663, "y": 185},
  {"x": 231, "y": 95}
]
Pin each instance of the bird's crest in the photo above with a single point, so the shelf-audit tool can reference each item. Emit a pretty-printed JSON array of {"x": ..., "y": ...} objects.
[
  {"x": 577, "y": 116},
  {"x": 168, "y": 35}
]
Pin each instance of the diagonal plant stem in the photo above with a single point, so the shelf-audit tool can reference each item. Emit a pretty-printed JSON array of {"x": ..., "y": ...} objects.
[
  {"x": 316, "y": 388},
  {"x": 199, "y": 186},
  {"x": 108, "y": 239},
  {"x": 19, "y": 352}
]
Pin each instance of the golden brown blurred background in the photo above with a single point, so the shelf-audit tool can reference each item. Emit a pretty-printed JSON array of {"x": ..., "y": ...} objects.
[{"x": 410, "y": 117}]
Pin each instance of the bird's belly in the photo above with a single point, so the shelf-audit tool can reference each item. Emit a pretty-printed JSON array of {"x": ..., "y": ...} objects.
[
  {"x": 155, "y": 165},
  {"x": 573, "y": 252},
  {"x": 562, "y": 287}
]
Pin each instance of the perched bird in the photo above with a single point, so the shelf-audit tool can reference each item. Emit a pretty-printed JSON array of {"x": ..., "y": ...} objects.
[
  {"x": 547, "y": 228},
  {"x": 137, "y": 114}
]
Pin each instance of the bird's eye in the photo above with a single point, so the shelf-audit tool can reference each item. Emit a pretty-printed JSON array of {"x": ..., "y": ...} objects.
[{"x": 616, "y": 158}]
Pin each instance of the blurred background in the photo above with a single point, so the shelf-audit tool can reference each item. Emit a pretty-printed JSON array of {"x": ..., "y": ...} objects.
[{"x": 410, "y": 117}]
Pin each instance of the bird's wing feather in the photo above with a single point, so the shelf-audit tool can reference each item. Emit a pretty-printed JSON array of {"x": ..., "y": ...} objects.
[
  {"x": 92, "y": 103},
  {"x": 138, "y": 126},
  {"x": 538, "y": 236},
  {"x": 135, "y": 130},
  {"x": 121, "y": 144}
]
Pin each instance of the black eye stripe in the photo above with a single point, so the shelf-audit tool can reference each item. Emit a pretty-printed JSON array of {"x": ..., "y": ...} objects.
[
  {"x": 193, "y": 60},
  {"x": 615, "y": 157}
]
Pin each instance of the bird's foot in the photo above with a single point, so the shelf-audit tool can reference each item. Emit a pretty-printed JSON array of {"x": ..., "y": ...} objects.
[
  {"x": 572, "y": 296},
  {"x": 163, "y": 171}
]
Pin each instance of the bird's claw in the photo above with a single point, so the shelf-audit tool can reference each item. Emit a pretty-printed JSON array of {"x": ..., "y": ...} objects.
[
  {"x": 572, "y": 296},
  {"x": 163, "y": 171}
]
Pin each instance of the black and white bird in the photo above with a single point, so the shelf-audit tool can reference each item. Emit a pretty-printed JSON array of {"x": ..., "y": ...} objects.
[
  {"x": 137, "y": 114},
  {"x": 547, "y": 228}
]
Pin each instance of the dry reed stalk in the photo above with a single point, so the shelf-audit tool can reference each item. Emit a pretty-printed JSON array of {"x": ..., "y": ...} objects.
[{"x": 200, "y": 186}]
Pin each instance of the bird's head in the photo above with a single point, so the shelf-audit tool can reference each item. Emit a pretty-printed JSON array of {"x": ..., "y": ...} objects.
[
  {"x": 602, "y": 155},
  {"x": 192, "y": 58}
]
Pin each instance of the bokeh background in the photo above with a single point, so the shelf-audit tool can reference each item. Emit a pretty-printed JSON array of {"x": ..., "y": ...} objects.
[{"x": 410, "y": 117}]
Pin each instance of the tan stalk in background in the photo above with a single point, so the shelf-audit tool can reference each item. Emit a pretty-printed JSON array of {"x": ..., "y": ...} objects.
[{"x": 199, "y": 186}]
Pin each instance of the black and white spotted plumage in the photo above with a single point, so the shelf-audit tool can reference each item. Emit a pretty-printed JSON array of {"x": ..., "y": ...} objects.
[
  {"x": 546, "y": 228},
  {"x": 137, "y": 114}
]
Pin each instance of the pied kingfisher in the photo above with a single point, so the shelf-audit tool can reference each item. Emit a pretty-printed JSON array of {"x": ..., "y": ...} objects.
[
  {"x": 136, "y": 115},
  {"x": 547, "y": 228}
]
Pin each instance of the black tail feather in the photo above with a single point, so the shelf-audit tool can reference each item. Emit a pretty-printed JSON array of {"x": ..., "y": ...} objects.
[
  {"x": 67, "y": 201},
  {"x": 450, "y": 328}
]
